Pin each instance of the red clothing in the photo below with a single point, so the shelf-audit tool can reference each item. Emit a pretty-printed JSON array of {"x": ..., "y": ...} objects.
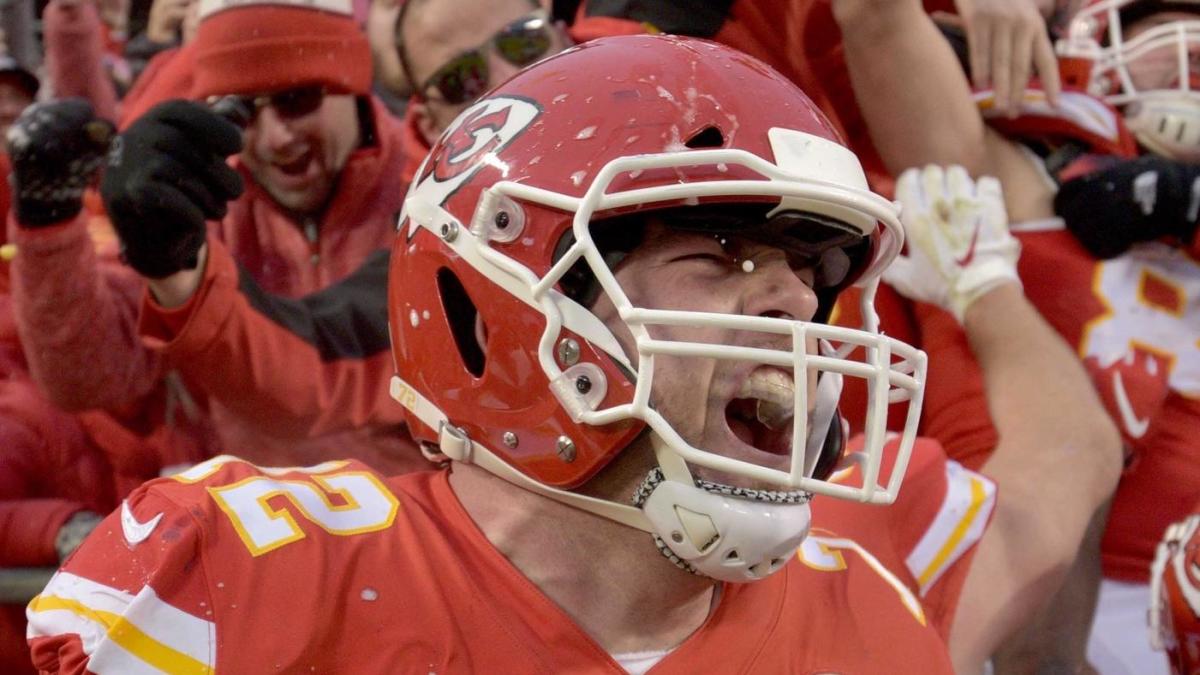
[
  {"x": 403, "y": 581},
  {"x": 1134, "y": 321},
  {"x": 49, "y": 470},
  {"x": 168, "y": 75},
  {"x": 92, "y": 356},
  {"x": 799, "y": 39},
  {"x": 942, "y": 511},
  {"x": 75, "y": 47},
  {"x": 281, "y": 361}
]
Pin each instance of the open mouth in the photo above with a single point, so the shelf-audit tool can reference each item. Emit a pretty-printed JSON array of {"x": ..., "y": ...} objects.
[
  {"x": 760, "y": 415},
  {"x": 296, "y": 167}
]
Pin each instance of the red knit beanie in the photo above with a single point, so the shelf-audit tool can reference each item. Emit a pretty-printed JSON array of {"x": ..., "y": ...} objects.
[{"x": 264, "y": 46}]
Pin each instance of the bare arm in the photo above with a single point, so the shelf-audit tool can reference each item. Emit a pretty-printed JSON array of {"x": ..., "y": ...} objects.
[
  {"x": 905, "y": 76},
  {"x": 1057, "y": 461}
]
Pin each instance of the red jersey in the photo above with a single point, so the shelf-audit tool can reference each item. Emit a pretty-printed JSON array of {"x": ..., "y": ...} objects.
[
  {"x": 233, "y": 568},
  {"x": 1133, "y": 319}
]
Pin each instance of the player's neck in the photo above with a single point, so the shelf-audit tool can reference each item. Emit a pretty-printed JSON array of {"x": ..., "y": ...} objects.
[{"x": 607, "y": 577}]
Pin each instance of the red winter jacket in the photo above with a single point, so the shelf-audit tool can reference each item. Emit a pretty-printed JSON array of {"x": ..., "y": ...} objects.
[{"x": 91, "y": 355}]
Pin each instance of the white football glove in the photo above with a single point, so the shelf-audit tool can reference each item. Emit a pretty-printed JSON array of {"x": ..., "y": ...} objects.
[{"x": 957, "y": 234}]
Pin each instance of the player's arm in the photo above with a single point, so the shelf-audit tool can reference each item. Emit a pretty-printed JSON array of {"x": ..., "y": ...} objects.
[
  {"x": 131, "y": 599},
  {"x": 294, "y": 367},
  {"x": 1058, "y": 456},
  {"x": 904, "y": 75},
  {"x": 1057, "y": 462}
]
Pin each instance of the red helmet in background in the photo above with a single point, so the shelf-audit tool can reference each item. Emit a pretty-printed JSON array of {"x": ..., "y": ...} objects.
[
  {"x": 500, "y": 361},
  {"x": 1098, "y": 54},
  {"x": 1175, "y": 596}
]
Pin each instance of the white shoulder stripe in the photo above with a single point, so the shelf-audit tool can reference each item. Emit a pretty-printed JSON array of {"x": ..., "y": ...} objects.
[
  {"x": 97, "y": 596},
  {"x": 123, "y": 633},
  {"x": 958, "y": 525}
]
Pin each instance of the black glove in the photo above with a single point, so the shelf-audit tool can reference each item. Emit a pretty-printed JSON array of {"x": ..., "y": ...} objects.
[
  {"x": 74, "y": 531},
  {"x": 166, "y": 176},
  {"x": 56, "y": 149},
  {"x": 1131, "y": 201}
]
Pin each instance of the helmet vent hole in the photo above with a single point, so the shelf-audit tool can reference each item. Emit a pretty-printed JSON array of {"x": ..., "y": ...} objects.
[
  {"x": 461, "y": 314},
  {"x": 708, "y": 137}
]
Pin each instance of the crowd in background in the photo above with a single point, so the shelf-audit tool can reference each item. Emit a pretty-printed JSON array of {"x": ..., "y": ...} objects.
[{"x": 100, "y": 391}]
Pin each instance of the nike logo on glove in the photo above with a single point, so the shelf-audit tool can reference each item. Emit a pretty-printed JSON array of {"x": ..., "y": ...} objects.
[
  {"x": 135, "y": 532},
  {"x": 970, "y": 254}
]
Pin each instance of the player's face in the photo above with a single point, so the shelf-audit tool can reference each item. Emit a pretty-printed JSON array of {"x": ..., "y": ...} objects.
[
  {"x": 297, "y": 157},
  {"x": 736, "y": 408},
  {"x": 1159, "y": 68}
]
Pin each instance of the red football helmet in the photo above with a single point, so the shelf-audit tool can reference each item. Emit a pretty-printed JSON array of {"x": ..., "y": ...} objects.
[
  {"x": 1175, "y": 596},
  {"x": 501, "y": 363},
  {"x": 1098, "y": 55}
]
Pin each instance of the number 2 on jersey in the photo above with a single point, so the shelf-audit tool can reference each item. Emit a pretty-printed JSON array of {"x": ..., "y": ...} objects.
[{"x": 362, "y": 505}]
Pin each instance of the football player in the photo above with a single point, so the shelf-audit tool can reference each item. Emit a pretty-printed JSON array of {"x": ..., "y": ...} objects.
[
  {"x": 607, "y": 305},
  {"x": 1103, "y": 200}
]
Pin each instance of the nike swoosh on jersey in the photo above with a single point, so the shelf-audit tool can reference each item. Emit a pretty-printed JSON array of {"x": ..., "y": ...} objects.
[
  {"x": 135, "y": 532},
  {"x": 970, "y": 254},
  {"x": 1135, "y": 426}
]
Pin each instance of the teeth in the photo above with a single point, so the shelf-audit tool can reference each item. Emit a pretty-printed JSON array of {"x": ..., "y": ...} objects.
[{"x": 774, "y": 391}]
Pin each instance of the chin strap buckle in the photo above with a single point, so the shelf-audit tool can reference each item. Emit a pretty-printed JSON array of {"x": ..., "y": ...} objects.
[{"x": 454, "y": 442}]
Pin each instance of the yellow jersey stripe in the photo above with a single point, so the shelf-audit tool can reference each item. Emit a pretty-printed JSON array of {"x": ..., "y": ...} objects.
[
  {"x": 978, "y": 497},
  {"x": 127, "y": 636}
]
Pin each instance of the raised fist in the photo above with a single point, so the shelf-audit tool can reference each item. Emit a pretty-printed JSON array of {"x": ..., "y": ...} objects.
[
  {"x": 166, "y": 176},
  {"x": 56, "y": 149},
  {"x": 957, "y": 237}
]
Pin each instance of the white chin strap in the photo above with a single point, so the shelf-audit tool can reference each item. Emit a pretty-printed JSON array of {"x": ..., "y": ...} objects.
[
  {"x": 726, "y": 537},
  {"x": 1167, "y": 123},
  {"x": 727, "y": 533}
]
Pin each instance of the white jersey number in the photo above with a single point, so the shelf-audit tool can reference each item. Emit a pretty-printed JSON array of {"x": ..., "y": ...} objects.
[
  {"x": 262, "y": 508},
  {"x": 1153, "y": 298}
]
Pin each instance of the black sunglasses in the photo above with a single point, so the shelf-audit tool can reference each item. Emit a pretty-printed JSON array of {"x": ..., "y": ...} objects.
[
  {"x": 465, "y": 77},
  {"x": 290, "y": 104}
]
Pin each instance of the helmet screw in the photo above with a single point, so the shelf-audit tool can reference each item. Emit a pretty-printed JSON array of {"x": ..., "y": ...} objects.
[
  {"x": 583, "y": 384},
  {"x": 568, "y": 352},
  {"x": 449, "y": 231},
  {"x": 502, "y": 220},
  {"x": 677, "y": 537},
  {"x": 510, "y": 440},
  {"x": 566, "y": 449}
]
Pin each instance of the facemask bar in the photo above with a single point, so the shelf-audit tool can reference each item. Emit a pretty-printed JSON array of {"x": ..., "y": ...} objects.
[
  {"x": 1176, "y": 35},
  {"x": 1167, "y": 561},
  {"x": 1111, "y": 61}
]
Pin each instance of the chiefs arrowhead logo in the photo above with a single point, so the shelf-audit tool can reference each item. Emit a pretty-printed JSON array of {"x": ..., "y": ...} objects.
[{"x": 471, "y": 142}]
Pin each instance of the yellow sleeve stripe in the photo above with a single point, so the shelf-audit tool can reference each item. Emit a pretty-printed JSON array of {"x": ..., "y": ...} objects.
[
  {"x": 126, "y": 635},
  {"x": 960, "y": 521},
  {"x": 978, "y": 497}
]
